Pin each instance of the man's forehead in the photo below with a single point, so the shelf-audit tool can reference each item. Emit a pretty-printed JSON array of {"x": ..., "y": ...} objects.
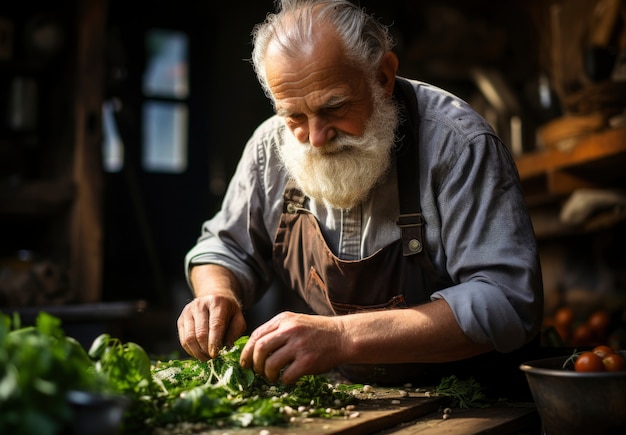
[{"x": 313, "y": 102}]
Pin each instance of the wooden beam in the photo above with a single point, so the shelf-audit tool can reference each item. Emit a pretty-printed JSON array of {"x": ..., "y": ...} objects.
[{"x": 86, "y": 250}]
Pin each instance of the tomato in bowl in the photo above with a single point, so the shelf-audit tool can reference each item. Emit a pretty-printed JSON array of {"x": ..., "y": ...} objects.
[{"x": 570, "y": 401}]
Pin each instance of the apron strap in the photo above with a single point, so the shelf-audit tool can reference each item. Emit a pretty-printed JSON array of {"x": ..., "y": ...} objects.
[
  {"x": 293, "y": 197},
  {"x": 411, "y": 221}
]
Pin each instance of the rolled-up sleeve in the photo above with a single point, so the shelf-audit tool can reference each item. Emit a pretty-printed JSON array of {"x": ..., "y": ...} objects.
[{"x": 490, "y": 247}]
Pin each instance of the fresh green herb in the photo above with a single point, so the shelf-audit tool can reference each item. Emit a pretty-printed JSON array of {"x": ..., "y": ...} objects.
[
  {"x": 126, "y": 365},
  {"x": 214, "y": 393},
  {"x": 568, "y": 364},
  {"x": 220, "y": 393},
  {"x": 38, "y": 366},
  {"x": 462, "y": 393}
]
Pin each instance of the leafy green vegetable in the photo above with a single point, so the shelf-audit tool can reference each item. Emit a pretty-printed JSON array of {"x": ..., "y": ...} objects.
[
  {"x": 38, "y": 366},
  {"x": 220, "y": 393},
  {"x": 214, "y": 393},
  {"x": 466, "y": 393},
  {"x": 126, "y": 365}
]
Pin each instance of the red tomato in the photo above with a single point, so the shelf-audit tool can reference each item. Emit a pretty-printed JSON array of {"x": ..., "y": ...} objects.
[
  {"x": 562, "y": 322},
  {"x": 564, "y": 317},
  {"x": 588, "y": 362},
  {"x": 598, "y": 322},
  {"x": 583, "y": 335},
  {"x": 614, "y": 362},
  {"x": 602, "y": 350}
]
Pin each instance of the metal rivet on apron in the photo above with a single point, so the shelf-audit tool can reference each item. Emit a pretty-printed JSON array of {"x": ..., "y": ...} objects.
[
  {"x": 291, "y": 208},
  {"x": 415, "y": 245}
]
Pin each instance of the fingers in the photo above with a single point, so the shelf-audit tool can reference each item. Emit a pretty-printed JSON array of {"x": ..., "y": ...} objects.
[
  {"x": 268, "y": 352},
  {"x": 274, "y": 359},
  {"x": 226, "y": 324},
  {"x": 236, "y": 328},
  {"x": 251, "y": 351},
  {"x": 267, "y": 356},
  {"x": 192, "y": 335},
  {"x": 277, "y": 364},
  {"x": 205, "y": 323},
  {"x": 292, "y": 345},
  {"x": 291, "y": 373}
]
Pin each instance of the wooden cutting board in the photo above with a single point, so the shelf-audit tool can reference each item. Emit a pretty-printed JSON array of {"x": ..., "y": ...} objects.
[
  {"x": 498, "y": 420},
  {"x": 380, "y": 410}
]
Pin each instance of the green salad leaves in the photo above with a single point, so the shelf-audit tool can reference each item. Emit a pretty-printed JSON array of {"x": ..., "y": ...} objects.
[
  {"x": 220, "y": 393},
  {"x": 39, "y": 365},
  {"x": 463, "y": 393}
]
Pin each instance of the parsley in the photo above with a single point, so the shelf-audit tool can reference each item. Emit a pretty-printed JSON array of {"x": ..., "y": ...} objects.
[
  {"x": 39, "y": 365},
  {"x": 462, "y": 393},
  {"x": 220, "y": 393}
]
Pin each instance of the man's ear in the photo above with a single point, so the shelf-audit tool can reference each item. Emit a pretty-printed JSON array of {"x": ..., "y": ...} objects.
[{"x": 387, "y": 71}]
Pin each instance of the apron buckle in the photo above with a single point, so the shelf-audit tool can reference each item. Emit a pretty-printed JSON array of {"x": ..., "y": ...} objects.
[{"x": 411, "y": 225}]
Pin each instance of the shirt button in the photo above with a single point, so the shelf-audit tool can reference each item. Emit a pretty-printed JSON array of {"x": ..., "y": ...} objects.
[{"x": 415, "y": 245}]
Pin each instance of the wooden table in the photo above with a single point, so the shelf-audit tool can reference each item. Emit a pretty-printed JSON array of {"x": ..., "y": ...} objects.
[
  {"x": 518, "y": 420},
  {"x": 392, "y": 412}
]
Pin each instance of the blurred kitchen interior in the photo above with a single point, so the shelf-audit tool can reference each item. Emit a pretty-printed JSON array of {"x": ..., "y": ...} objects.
[{"x": 120, "y": 125}]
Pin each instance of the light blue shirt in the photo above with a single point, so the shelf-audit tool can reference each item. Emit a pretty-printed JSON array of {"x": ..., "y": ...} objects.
[{"x": 478, "y": 231}]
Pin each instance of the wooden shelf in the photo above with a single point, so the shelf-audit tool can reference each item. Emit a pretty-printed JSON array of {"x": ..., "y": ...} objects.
[
  {"x": 548, "y": 177},
  {"x": 595, "y": 161},
  {"x": 548, "y": 225}
]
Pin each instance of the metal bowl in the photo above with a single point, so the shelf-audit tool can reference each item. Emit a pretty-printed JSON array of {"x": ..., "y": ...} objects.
[
  {"x": 96, "y": 414},
  {"x": 571, "y": 402}
]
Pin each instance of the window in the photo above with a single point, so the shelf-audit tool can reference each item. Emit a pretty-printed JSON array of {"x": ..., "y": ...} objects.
[
  {"x": 166, "y": 88},
  {"x": 164, "y": 137},
  {"x": 165, "y": 117}
]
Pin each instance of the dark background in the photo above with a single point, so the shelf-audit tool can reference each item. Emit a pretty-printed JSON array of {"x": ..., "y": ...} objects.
[{"x": 150, "y": 220}]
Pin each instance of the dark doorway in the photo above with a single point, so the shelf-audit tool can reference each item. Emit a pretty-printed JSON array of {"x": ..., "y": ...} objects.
[{"x": 153, "y": 217}]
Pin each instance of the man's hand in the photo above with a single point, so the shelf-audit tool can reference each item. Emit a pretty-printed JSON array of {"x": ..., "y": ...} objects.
[
  {"x": 207, "y": 322},
  {"x": 214, "y": 317},
  {"x": 293, "y": 345}
]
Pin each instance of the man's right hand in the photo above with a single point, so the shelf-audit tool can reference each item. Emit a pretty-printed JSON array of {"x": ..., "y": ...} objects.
[{"x": 214, "y": 318}]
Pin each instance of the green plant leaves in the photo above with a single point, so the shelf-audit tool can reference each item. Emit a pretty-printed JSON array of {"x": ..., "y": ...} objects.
[
  {"x": 466, "y": 393},
  {"x": 39, "y": 365}
]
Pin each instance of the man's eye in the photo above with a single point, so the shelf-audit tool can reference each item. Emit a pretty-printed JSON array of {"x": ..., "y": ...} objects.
[{"x": 335, "y": 109}]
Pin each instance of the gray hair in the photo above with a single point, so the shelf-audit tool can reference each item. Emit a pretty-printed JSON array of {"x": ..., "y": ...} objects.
[{"x": 365, "y": 39}]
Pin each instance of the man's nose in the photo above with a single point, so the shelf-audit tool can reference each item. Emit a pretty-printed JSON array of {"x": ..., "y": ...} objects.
[{"x": 320, "y": 132}]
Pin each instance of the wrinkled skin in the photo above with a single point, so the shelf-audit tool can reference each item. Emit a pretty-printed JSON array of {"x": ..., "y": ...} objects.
[
  {"x": 214, "y": 317},
  {"x": 299, "y": 344}
]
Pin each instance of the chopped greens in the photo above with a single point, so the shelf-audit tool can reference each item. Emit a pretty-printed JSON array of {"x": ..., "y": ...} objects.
[
  {"x": 39, "y": 365},
  {"x": 220, "y": 393},
  {"x": 466, "y": 393}
]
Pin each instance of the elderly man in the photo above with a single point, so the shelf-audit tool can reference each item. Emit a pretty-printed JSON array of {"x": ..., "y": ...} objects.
[{"x": 387, "y": 204}]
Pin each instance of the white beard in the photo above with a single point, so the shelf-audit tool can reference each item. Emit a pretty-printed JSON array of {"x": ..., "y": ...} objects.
[{"x": 343, "y": 172}]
